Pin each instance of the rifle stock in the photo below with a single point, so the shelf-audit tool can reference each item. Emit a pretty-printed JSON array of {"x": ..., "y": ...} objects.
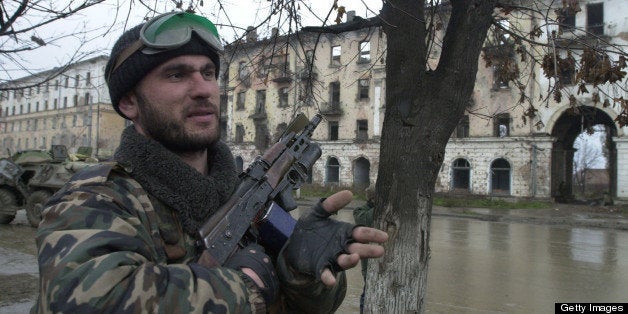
[{"x": 264, "y": 194}]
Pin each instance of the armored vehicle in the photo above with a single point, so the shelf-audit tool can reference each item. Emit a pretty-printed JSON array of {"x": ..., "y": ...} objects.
[
  {"x": 40, "y": 174},
  {"x": 13, "y": 191}
]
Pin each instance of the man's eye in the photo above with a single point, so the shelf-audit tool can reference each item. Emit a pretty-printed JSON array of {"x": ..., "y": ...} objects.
[
  {"x": 209, "y": 74},
  {"x": 176, "y": 75}
]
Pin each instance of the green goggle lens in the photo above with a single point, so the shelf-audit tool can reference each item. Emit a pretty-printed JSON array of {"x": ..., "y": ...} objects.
[{"x": 172, "y": 30}]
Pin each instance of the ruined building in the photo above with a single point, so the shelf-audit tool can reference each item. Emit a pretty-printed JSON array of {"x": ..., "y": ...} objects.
[{"x": 500, "y": 148}]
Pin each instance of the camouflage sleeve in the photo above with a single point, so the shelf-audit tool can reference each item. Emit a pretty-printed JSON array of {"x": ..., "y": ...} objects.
[
  {"x": 363, "y": 215},
  {"x": 95, "y": 253}
]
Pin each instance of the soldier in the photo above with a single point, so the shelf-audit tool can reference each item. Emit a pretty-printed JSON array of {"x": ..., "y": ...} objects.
[{"x": 120, "y": 236}]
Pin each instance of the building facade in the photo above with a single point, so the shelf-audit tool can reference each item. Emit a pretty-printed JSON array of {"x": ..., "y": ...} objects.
[
  {"x": 71, "y": 108},
  {"x": 500, "y": 148},
  {"x": 271, "y": 79}
]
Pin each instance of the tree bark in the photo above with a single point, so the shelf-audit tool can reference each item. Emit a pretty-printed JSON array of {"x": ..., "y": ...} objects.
[{"x": 422, "y": 109}]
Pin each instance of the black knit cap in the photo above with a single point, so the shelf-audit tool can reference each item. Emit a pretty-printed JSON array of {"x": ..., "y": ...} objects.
[{"x": 135, "y": 67}]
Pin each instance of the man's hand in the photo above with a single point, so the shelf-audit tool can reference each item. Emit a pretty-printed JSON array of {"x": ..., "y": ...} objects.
[
  {"x": 321, "y": 247},
  {"x": 253, "y": 262},
  {"x": 357, "y": 250}
]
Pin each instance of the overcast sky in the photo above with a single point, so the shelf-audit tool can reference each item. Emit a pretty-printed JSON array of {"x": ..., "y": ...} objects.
[{"x": 107, "y": 21}]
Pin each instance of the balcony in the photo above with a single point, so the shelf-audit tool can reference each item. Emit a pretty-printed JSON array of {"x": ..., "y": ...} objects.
[
  {"x": 306, "y": 75},
  {"x": 259, "y": 114},
  {"x": 281, "y": 75},
  {"x": 331, "y": 109}
]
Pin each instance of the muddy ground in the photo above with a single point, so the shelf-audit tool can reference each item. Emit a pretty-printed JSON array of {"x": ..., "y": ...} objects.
[{"x": 18, "y": 273}]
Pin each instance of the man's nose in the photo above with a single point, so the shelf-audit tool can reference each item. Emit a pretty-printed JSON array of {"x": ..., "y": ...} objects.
[{"x": 201, "y": 87}]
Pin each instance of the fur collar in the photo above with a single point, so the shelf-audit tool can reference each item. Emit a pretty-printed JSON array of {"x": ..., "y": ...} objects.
[{"x": 165, "y": 176}]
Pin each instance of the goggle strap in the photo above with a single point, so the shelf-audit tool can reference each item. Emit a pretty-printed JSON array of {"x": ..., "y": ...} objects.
[{"x": 125, "y": 54}]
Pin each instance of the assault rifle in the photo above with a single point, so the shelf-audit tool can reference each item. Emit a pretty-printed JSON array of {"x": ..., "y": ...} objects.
[{"x": 261, "y": 202}]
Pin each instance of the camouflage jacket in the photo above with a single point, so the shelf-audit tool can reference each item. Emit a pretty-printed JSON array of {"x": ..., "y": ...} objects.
[{"x": 105, "y": 244}]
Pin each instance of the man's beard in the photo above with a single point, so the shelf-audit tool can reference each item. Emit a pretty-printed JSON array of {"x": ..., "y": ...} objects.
[{"x": 171, "y": 133}]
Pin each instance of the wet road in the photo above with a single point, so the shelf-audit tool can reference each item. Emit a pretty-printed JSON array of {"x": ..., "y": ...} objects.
[
  {"x": 476, "y": 267},
  {"x": 491, "y": 267}
]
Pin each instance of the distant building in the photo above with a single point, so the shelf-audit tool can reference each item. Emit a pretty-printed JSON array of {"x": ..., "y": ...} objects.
[{"x": 71, "y": 108}]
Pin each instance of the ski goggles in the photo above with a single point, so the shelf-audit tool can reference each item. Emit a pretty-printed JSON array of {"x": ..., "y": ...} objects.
[{"x": 170, "y": 31}]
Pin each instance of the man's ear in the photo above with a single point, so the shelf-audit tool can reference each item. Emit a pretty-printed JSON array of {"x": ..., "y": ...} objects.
[{"x": 128, "y": 106}]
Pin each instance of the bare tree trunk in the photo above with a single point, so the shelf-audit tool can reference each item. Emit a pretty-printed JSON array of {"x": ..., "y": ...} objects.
[{"x": 422, "y": 110}]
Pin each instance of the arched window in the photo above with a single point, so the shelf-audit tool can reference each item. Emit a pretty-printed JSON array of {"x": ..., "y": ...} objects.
[
  {"x": 500, "y": 176},
  {"x": 361, "y": 171},
  {"x": 333, "y": 171},
  {"x": 460, "y": 175}
]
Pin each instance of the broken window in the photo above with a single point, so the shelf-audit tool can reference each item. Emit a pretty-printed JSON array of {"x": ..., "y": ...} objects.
[
  {"x": 283, "y": 97},
  {"x": 335, "y": 55},
  {"x": 499, "y": 77},
  {"x": 223, "y": 130},
  {"x": 566, "y": 68},
  {"x": 501, "y": 124},
  {"x": 262, "y": 136},
  {"x": 362, "y": 131},
  {"x": 224, "y": 102},
  {"x": 309, "y": 58},
  {"x": 239, "y": 136},
  {"x": 500, "y": 52},
  {"x": 334, "y": 95},
  {"x": 242, "y": 72},
  {"x": 365, "y": 52},
  {"x": 500, "y": 176},
  {"x": 567, "y": 20},
  {"x": 363, "y": 89},
  {"x": 333, "y": 171},
  {"x": 462, "y": 130},
  {"x": 333, "y": 130},
  {"x": 260, "y": 102},
  {"x": 461, "y": 174},
  {"x": 595, "y": 18},
  {"x": 240, "y": 100}
]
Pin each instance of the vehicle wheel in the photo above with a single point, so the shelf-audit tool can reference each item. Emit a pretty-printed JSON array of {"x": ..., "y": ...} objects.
[
  {"x": 34, "y": 206},
  {"x": 7, "y": 201}
]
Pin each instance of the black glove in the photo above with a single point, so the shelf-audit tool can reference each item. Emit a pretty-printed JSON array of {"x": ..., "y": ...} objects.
[
  {"x": 254, "y": 257},
  {"x": 316, "y": 242}
]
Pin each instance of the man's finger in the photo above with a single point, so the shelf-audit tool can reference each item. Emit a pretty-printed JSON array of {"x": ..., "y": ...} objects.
[
  {"x": 328, "y": 278},
  {"x": 346, "y": 261},
  {"x": 367, "y": 234},
  {"x": 365, "y": 250},
  {"x": 337, "y": 201}
]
